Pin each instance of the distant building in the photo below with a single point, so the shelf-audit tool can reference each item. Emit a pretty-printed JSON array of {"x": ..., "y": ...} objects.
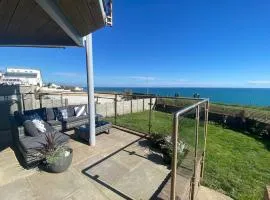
[
  {"x": 78, "y": 89},
  {"x": 21, "y": 76}
]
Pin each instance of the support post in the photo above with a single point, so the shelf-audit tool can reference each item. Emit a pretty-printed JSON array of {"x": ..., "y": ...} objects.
[
  {"x": 174, "y": 158},
  {"x": 90, "y": 88},
  {"x": 205, "y": 135}
]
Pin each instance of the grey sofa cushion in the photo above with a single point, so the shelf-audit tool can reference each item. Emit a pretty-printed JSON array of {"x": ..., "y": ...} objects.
[
  {"x": 49, "y": 128},
  {"x": 50, "y": 114},
  {"x": 30, "y": 128},
  {"x": 70, "y": 111},
  {"x": 54, "y": 123},
  {"x": 74, "y": 119},
  {"x": 41, "y": 112},
  {"x": 34, "y": 143}
]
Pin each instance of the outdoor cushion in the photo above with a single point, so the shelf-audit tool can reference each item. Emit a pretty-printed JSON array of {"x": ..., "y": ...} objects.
[
  {"x": 60, "y": 112},
  {"x": 80, "y": 110},
  {"x": 30, "y": 128},
  {"x": 49, "y": 128},
  {"x": 50, "y": 114},
  {"x": 75, "y": 119},
  {"x": 54, "y": 122},
  {"x": 64, "y": 113},
  {"x": 34, "y": 143},
  {"x": 41, "y": 112},
  {"x": 70, "y": 111},
  {"x": 39, "y": 125}
]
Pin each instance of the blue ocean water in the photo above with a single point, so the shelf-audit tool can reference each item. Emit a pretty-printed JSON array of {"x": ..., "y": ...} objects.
[{"x": 243, "y": 96}]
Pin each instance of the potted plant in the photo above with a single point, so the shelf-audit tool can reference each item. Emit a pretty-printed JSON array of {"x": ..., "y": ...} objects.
[
  {"x": 56, "y": 157},
  {"x": 165, "y": 144}
]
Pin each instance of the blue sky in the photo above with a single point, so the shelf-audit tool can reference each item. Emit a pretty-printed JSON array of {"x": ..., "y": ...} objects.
[{"x": 166, "y": 43}]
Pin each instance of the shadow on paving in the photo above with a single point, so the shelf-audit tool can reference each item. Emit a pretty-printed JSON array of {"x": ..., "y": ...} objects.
[{"x": 112, "y": 171}]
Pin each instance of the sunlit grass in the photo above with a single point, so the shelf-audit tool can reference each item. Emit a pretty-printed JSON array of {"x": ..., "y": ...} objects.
[{"x": 236, "y": 164}]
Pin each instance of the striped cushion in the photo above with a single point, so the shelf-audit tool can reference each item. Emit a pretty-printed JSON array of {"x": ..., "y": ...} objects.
[{"x": 80, "y": 110}]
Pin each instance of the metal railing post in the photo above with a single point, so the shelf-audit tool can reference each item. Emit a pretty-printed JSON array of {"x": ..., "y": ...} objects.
[
  {"x": 150, "y": 116},
  {"x": 195, "y": 153},
  {"x": 174, "y": 157},
  {"x": 115, "y": 108},
  {"x": 131, "y": 105},
  {"x": 206, "y": 111}
]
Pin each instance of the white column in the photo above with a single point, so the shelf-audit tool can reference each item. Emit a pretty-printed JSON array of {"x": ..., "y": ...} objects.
[{"x": 90, "y": 86}]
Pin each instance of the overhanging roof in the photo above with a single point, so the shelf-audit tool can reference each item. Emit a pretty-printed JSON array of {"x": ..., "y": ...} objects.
[{"x": 49, "y": 22}]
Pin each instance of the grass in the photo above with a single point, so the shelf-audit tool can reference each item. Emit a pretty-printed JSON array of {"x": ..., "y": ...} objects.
[
  {"x": 236, "y": 164},
  {"x": 250, "y": 112}
]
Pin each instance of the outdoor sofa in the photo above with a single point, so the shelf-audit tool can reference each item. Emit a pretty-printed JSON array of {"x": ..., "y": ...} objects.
[{"x": 28, "y": 145}]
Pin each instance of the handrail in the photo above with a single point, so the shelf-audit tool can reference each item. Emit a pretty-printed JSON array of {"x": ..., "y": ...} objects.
[{"x": 175, "y": 141}]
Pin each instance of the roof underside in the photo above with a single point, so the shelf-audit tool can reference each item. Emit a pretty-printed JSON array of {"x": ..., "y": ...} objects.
[{"x": 26, "y": 23}]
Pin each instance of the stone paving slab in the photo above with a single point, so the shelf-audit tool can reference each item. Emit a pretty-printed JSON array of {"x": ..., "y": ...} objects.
[
  {"x": 10, "y": 169},
  {"x": 125, "y": 170},
  {"x": 19, "y": 189},
  {"x": 205, "y": 193}
]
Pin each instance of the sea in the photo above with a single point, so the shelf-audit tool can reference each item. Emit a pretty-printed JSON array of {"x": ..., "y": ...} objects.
[{"x": 234, "y": 96}]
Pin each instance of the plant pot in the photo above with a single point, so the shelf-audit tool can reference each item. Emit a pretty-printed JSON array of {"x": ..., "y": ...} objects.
[{"x": 61, "y": 164}]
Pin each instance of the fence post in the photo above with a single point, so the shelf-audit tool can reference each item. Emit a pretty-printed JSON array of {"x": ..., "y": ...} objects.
[
  {"x": 66, "y": 101},
  {"x": 115, "y": 108},
  {"x": 195, "y": 153},
  {"x": 143, "y": 104},
  {"x": 131, "y": 105},
  {"x": 62, "y": 99},
  {"x": 40, "y": 100},
  {"x": 150, "y": 116},
  {"x": 174, "y": 158},
  {"x": 205, "y": 135}
]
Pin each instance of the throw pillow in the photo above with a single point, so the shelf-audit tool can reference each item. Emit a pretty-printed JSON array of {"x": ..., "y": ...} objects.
[
  {"x": 80, "y": 110},
  {"x": 30, "y": 128},
  {"x": 64, "y": 113},
  {"x": 39, "y": 125}
]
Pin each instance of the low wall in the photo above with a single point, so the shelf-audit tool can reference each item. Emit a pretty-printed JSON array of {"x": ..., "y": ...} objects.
[{"x": 124, "y": 107}]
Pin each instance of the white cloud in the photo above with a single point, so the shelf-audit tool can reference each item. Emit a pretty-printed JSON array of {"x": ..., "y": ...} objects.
[
  {"x": 259, "y": 82},
  {"x": 142, "y": 78},
  {"x": 67, "y": 74}
]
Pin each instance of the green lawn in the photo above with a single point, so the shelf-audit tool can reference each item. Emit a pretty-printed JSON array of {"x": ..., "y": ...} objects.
[{"x": 236, "y": 164}]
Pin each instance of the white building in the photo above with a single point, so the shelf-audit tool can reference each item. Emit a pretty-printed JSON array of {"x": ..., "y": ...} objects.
[{"x": 21, "y": 76}]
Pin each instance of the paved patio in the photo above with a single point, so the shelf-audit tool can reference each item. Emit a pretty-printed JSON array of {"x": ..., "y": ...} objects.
[{"x": 121, "y": 166}]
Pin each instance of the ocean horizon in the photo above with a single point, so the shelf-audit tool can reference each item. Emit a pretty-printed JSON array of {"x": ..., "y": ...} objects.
[{"x": 238, "y": 96}]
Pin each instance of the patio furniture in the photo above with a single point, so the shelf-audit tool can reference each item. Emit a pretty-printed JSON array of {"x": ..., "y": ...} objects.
[
  {"x": 101, "y": 126},
  {"x": 49, "y": 115},
  {"x": 29, "y": 143},
  {"x": 29, "y": 146}
]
